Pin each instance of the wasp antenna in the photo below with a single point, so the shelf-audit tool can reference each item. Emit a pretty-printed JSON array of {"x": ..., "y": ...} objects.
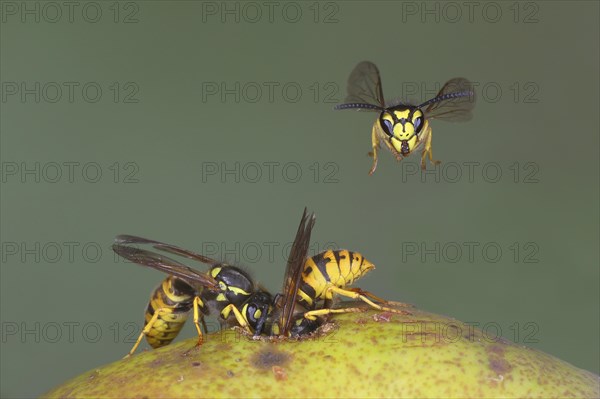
[
  {"x": 358, "y": 106},
  {"x": 447, "y": 96}
]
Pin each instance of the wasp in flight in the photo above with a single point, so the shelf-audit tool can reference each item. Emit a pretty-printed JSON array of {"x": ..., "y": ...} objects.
[
  {"x": 308, "y": 289},
  {"x": 404, "y": 128}
]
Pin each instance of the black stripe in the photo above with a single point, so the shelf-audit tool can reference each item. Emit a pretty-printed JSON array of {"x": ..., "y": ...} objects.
[
  {"x": 181, "y": 288},
  {"x": 310, "y": 292},
  {"x": 351, "y": 271},
  {"x": 336, "y": 254},
  {"x": 321, "y": 262},
  {"x": 177, "y": 306},
  {"x": 150, "y": 309}
]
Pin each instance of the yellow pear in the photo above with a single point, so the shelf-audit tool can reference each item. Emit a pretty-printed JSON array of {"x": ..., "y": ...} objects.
[{"x": 367, "y": 354}]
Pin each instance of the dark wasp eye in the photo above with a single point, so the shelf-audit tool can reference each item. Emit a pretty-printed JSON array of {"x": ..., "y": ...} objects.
[
  {"x": 388, "y": 127},
  {"x": 418, "y": 124}
]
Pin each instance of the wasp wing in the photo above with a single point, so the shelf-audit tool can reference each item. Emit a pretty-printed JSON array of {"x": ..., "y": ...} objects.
[
  {"x": 364, "y": 89},
  {"x": 293, "y": 271},
  {"x": 454, "y": 102},
  {"x": 163, "y": 263},
  {"x": 128, "y": 239}
]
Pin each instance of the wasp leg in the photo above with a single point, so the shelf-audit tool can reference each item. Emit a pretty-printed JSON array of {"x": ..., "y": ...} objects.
[
  {"x": 312, "y": 315},
  {"x": 427, "y": 150},
  {"x": 204, "y": 328},
  {"x": 238, "y": 316},
  {"x": 374, "y": 145},
  {"x": 198, "y": 318},
  {"x": 399, "y": 157},
  {"x": 380, "y": 300},
  {"x": 147, "y": 329},
  {"x": 353, "y": 295}
]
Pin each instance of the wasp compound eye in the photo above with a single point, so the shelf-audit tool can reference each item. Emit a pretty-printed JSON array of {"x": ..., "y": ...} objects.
[
  {"x": 418, "y": 124},
  {"x": 388, "y": 126}
]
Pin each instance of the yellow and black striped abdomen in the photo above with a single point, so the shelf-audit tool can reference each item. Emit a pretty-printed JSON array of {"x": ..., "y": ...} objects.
[
  {"x": 332, "y": 267},
  {"x": 172, "y": 300}
]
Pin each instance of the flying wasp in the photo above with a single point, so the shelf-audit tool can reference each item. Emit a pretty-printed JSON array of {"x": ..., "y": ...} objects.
[
  {"x": 226, "y": 288},
  {"x": 404, "y": 128}
]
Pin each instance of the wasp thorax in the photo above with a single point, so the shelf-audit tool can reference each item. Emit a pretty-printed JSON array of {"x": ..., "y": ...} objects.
[{"x": 235, "y": 285}]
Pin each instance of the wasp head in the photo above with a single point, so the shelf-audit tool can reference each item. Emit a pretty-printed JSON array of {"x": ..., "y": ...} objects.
[{"x": 402, "y": 122}]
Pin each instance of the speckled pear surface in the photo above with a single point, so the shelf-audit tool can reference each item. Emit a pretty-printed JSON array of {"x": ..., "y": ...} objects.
[{"x": 369, "y": 354}]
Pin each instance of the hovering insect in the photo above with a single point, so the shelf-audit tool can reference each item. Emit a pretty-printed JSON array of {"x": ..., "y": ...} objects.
[
  {"x": 226, "y": 288},
  {"x": 404, "y": 128}
]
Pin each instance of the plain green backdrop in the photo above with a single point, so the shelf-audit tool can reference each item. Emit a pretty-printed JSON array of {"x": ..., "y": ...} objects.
[{"x": 214, "y": 127}]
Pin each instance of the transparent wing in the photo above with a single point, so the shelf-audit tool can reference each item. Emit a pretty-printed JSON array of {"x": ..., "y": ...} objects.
[
  {"x": 364, "y": 89},
  {"x": 293, "y": 271},
  {"x": 123, "y": 248},
  {"x": 454, "y": 102}
]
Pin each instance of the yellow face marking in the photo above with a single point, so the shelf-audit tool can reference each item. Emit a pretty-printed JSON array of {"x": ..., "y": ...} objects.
[
  {"x": 403, "y": 131},
  {"x": 418, "y": 113},
  {"x": 388, "y": 117},
  {"x": 214, "y": 271},
  {"x": 221, "y": 298},
  {"x": 402, "y": 113}
]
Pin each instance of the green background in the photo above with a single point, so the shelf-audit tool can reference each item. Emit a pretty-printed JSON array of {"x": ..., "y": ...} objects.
[{"x": 543, "y": 56}]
